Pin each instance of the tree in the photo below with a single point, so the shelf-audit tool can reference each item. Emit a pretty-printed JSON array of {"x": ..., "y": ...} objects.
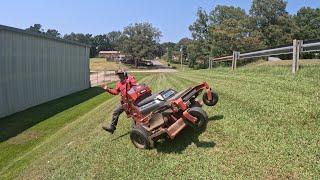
[
  {"x": 159, "y": 50},
  {"x": 201, "y": 41},
  {"x": 229, "y": 31},
  {"x": 82, "y": 38},
  {"x": 271, "y": 19},
  {"x": 183, "y": 45},
  {"x": 35, "y": 28},
  {"x": 79, "y": 37},
  {"x": 184, "y": 41},
  {"x": 115, "y": 39},
  {"x": 308, "y": 21},
  {"x": 283, "y": 32},
  {"x": 167, "y": 45},
  {"x": 140, "y": 41},
  {"x": 266, "y": 12},
  {"x": 220, "y": 14},
  {"x": 193, "y": 52},
  {"x": 101, "y": 43},
  {"x": 53, "y": 33},
  {"x": 199, "y": 28},
  {"x": 38, "y": 29}
]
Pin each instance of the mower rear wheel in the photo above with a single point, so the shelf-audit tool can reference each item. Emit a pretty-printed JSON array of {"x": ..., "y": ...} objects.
[
  {"x": 212, "y": 102},
  {"x": 140, "y": 138},
  {"x": 202, "y": 118}
]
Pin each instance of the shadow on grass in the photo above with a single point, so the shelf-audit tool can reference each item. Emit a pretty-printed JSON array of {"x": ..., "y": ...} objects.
[
  {"x": 182, "y": 141},
  {"x": 216, "y": 117},
  {"x": 121, "y": 136},
  {"x": 186, "y": 138},
  {"x": 12, "y": 125}
]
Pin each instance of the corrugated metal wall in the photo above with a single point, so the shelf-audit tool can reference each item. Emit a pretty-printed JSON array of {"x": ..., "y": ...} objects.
[{"x": 35, "y": 69}]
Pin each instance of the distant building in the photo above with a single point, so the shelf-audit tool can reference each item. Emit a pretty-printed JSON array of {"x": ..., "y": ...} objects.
[{"x": 110, "y": 55}]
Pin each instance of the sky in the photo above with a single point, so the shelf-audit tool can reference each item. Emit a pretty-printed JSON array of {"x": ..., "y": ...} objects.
[{"x": 171, "y": 17}]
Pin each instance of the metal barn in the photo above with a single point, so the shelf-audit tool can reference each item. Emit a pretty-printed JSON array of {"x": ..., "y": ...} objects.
[{"x": 35, "y": 68}]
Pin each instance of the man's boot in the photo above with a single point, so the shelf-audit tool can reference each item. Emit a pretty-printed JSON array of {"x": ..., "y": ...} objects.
[{"x": 110, "y": 128}]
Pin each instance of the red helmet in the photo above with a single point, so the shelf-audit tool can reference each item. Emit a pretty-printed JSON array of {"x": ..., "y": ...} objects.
[{"x": 121, "y": 73}]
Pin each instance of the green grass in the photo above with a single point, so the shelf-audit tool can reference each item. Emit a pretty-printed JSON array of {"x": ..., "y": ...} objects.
[
  {"x": 266, "y": 125},
  {"x": 24, "y": 131},
  {"x": 100, "y": 64}
]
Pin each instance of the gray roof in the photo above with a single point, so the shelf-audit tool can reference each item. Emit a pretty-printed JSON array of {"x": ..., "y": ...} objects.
[{"x": 2, "y": 27}]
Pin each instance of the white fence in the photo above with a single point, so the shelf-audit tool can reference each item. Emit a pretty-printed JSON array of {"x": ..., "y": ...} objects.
[
  {"x": 100, "y": 77},
  {"x": 295, "y": 49}
]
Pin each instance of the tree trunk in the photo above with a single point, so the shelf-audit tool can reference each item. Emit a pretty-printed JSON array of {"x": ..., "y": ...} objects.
[{"x": 136, "y": 62}]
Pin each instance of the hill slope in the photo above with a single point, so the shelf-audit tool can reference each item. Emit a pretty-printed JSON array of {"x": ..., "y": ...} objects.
[{"x": 266, "y": 125}]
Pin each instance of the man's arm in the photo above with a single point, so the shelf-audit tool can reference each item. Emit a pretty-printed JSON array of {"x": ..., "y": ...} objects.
[{"x": 114, "y": 91}]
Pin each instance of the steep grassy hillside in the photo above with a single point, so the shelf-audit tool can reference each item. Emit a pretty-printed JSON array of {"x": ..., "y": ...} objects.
[{"x": 266, "y": 125}]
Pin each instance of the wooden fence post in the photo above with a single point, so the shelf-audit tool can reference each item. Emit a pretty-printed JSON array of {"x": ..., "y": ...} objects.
[
  {"x": 97, "y": 77},
  {"x": 236, "y": 56},
  {"x": 296, "y": 55}
]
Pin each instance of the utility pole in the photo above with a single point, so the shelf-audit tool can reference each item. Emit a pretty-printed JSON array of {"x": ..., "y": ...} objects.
[{"x": 181, "y": 49}]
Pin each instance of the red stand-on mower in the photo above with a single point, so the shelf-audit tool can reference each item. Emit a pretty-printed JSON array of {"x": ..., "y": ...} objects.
[{"x": 165, "y": 114}]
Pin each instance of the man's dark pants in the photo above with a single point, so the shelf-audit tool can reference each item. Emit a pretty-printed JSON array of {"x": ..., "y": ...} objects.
[{"x": 115, "y": 116}]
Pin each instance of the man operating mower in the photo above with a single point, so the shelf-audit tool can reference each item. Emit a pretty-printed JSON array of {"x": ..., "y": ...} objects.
[{"x": 122, "y": 86}]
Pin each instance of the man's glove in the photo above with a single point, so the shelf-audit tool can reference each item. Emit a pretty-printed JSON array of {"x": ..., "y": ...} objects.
[{"x": 103, "y": 86}]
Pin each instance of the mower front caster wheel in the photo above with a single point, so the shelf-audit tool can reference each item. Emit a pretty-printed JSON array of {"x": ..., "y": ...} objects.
[
  {"x": 211, "y": 102},
  {"x": 140, "y": 138}
]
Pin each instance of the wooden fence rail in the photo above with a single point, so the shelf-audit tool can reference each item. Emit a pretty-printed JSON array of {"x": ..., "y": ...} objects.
[{"x": 295, "y": 49}]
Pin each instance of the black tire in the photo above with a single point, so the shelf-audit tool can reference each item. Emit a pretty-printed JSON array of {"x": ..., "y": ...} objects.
[
  {"x": 213, "y": 102},
  {"x": 140, "y": 138},
  {"x": 202, "y": 117}
]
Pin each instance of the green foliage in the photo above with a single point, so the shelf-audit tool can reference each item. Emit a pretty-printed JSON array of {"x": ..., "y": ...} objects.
[
  {"x": 220, "y": 14},
  {"x": 115, "y": 40},
  {"x": 200, "y": 27},
  {"x": 200, "y": 48},
  {"x": 308, "y": 21},
  {"x": 35, "y": 28},
  {"x": 101, "y": 43},
  {"x": 271, "y": 19},
  {"x": 83, "y": 38},
  {"x": 23, "y": 132},
  {"x": 267, "y": 12},
  {"x": 183, "y": 45},
  {"x": 229, "y": 31},
  {"x": 53, "y": 33},
  {"x": 140, "y": 41},
  {"x": 227, "y": 28}
]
